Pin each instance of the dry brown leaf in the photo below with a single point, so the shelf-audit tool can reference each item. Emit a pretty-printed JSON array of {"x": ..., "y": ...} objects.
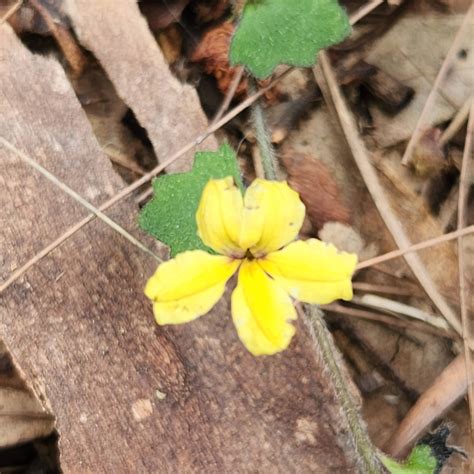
[
  {"x": 317, "y": 188},
  {"x": 213, "y": 53}
]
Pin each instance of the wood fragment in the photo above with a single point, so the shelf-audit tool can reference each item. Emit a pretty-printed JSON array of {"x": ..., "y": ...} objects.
[{"x": 138, "y": 70}]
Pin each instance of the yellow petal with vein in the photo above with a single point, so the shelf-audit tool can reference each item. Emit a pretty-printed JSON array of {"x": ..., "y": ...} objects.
[
  {"x": 261, "y": 311},
  {"x": 272, "y": 217},
  {"x": 312, "y": 271},
  {"x": 219, "y": 216},
  {"x": 188, "y": 286}
]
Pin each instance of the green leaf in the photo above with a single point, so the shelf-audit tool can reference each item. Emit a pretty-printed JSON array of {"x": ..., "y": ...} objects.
[
  {"x": 171, "y": 215},
  {"x": 273, "y": 32},
  {"x": 420, "y": 461}
]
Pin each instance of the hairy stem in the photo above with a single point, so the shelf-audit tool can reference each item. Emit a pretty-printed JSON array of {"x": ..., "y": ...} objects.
[
  {"x": 263, "y": 137},
  {"x": 367, "y": 453}
]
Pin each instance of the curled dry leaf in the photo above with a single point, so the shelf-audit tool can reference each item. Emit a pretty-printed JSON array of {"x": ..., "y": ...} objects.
[
  {"x": 317, "y": 188},
  {"x": 213, "y": 53}
]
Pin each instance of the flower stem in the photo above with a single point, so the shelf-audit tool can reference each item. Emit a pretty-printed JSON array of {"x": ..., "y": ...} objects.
[
  {"x": 263, "y": 137},
  {"x": 368, "y": 456}
]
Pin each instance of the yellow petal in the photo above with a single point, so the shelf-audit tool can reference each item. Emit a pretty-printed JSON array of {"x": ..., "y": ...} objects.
[
  {"x": 272, "y": 217},
  {"x": 261, "y": 310},
  {"x": 312, "y": 271},
  {"x": 188, "y": 286},
  {"x": 219, "y": 216}
]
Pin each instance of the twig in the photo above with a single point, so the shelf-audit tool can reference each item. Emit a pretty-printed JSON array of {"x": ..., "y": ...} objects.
[
  {"x": 368, "y": 457},
  {"x": 456, "y": 124},
  {"x": 78, "y": 198},
  {"x": 121, "y": 160},
  {"x": 422, "y": 121},
  {"x": 135, "y": 185},
  {"x": 384, "y": 289},
  {"x": 415, "y": 248},
  {"x": 464, "y": 184},
  {"x": 365, "y": 10},
  {"x": 388, "y": 305},
  {"x": 446, "y": 390},
  {"x": 66, "y": 41},
  {"x": 361, "y": 157},
  {"x": 230, "y": 94},
  {"x": 267, "y": 154},
  {"x": 10, "y": 12},
  {"x": 388, "y": 320}
]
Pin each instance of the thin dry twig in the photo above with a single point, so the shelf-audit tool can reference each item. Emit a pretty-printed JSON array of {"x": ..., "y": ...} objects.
[
  {"x": 365, "y": 10},
  {"x": 415, "y": 248},
  {"x": 384, "y": 289},
  {"x": 388, "y": 320},
  {"x": 390, "y": 306},
  {"x": 10, "y": 12},
  {"x": 78, "y": 198},
  {"x": 464, "y": 184},
  {"x": 330, "y": 87},
  {"x": 135, "y": 185},
  {"x": 456, "y": 124},
  {"x": 422, "y": 121},
  {"x": 121, "y": 160},
  {"x": 230, "y": 94}
]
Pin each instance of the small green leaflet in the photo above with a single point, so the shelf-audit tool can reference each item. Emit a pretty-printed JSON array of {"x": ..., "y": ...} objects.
[
  {"x": 420, "y": 461},
  {"x": 273, "y": 32},
  {"x": 171, "y": 215}
]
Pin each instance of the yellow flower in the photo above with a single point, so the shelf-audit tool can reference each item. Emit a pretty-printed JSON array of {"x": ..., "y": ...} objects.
[{"x": 254, "y": 234}]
